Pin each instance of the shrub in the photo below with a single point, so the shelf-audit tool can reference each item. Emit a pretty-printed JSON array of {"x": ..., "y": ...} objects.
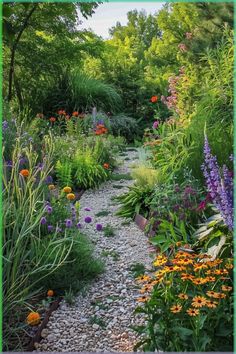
[{"x": 126, "y": 126}]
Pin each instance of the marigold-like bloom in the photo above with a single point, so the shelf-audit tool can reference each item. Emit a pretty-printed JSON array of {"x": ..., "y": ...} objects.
[
  {"x": 199, "y": 301},
  {"x": 221, "y": 272},
  {"x": 176, "y": 308},
  {"x": 211, "y": 304},
  {"x": 226, "y": 288},
  {"x": 50, "y": 293},
  {"x": 192, "y": 312},
  {"x": 52, "y": 119},
  {"x": 154, "y": 99},
  {"x": 185, "y": 276},
  {"x": 24, "y": 173},
  {"x": 183, "y": 296},
  {"x": 33, "y": 318},
  {"x": 75, "y": 114},
  {"x": 199, "y": 281},
  {"x": 70, "y": 196},
  {"x": 210, "y": 279},
  {"x": 106, "y": 166},
  {"x": 67, "y": 189},
  {"x": 219, "y": 296},
  {"x": 211, "y": 293},
  {"x": 51, "y": 187},
  {"x": 143, "y": 278},
  {"x": 142, "y": 299},
  {"x": 199, "y": 266}
]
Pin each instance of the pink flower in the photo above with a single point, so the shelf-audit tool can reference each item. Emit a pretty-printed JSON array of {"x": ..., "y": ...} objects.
[
  {"x": 189, "y": 35},
  {"x": 182, "y": 47},
  {"x": 202, "y": 205},
  {"x": 155, "y": 124}
]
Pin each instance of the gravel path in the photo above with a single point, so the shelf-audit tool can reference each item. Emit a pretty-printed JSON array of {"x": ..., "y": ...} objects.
[{"x": 100, "y": 320}]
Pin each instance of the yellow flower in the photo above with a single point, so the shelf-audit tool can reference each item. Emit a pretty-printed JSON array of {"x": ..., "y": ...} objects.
[
  {"x": 70, "y": 196},
  {"x": 33, "y": 318},
  {"x": 67, "y": 190},
  {"x": 226, "y": 288},
  {"x": 143, "y": 278},
  {"x": 211, "y": 293},
  {"x": 193, "y": 312},
  {"x": 229, "y": 266},
  {"x": 199, "y": 301},
  {"x": 176, "y": 308},
  {"x": 211, "y": 304},
  {"x": 142, "y": 299},
  {"x": 183, "y": 296},
  {"x": 51, "y": 187},
  {"x": 210, "y": 279},
  {"x": 199, "y": 281}
]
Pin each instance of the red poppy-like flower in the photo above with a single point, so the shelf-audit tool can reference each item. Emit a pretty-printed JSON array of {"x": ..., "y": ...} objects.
[
  {"x": 106, "y": 165},
  {"x": 154, "y": 99},
  {"x": 52, "y": 119},
  {"x": 62, "y": 112},
  {"x": 75, "y": 114}
]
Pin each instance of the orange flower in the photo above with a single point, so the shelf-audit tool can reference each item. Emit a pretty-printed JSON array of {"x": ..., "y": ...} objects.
[
  {"x": 50, "y": 293},
  {"x": 143, "y": 299},
  {"x": 199, "y": 301},
  {"x": 70, "y": 196},
  {"x": 143, "y": 278},
  {"x": 229, "y": 266},
  {"x": 33, "y": 318},
  {"x": 106, "y": 166},
  {"x": 210, "y": 279},
  {"x": 183, "y": 296},
  {"x": 211, "y": 293},
  {"x": 154, "y": 99},
  {"x": 62, "y": 112},
  {"x": 67, "y": 189},
  {"x": 75, "y": 114},
  {"x": 199, "y": 281},
  {"x": 176, "y": 308},
  {"x": 52, "y": 119},
  {"x": 193, "y": 312},
  {"x": 220, "y": 296},
  {"x": 51, "y": 187},
  {"x": 226, "y": 288},
  {"x": 211, "y": 304},
  {"x": 24, "y": 173}
]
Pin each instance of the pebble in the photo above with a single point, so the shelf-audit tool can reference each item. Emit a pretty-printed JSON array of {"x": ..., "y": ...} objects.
[{"x": 111, "y": 297}]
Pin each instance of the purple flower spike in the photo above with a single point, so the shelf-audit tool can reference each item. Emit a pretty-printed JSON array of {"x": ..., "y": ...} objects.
[
  {"x": 79, "y": 226},
  {"x": 43, "y": 221},
  {"x": 50, "y": 228},
  {"x": 87, "y": 209},
  {"x": 99, "y": 227},
  {"x": 87, "y": 219},
  {"x": 69, "y": 223}
]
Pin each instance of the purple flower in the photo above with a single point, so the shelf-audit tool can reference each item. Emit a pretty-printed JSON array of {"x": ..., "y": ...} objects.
[
  {"x": 9, "y": 163},
  {"x": 49, "y": 209},
  {"x": 79, "y": 226},
  {"x": 50, "y": 228},
  {"x": 87, "y": 209},
  {"x": 219, "y": 184},
  {"x": 69, "y": 223},
  {"x": 87, "y": 219},
  {"x": 73, "y": 209},
  {"x": 99, "y": 227},
  {"x": 155, "y": 124},
  {"x": 4, "y": 125},
  {"x": 43, "y": 220}
]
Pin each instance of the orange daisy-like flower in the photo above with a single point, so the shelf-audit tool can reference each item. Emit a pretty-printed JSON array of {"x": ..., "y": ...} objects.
[
  {"x": 154, "y": 99},
  {"x": 185, "y": 261},
  {"x": 220, "y": 296},
  {"x": 183, "y": 296},
  {"x": 67, "y": 189},
  {"x": 192, "y": 312},
  {"x": 143, "y": 299},
  {"x": 70, "y": 196},
  {"x": 211, "y": 304},
  {"x": 199, "y": 301},
  {"x": 51, "y": 187},
  {"x": 24, "y": 173},
  {"x": 176, "y": 308},
  {"x": 221, "y": 272},
  {"x": 33, "y": 318},
  {"x": 199, "y": 281},
  {"x": 50, "y": 293},
  {"x": 226, "y": 288},
  {"x": 211, "y": 293},
  {"x": 199, "y": 266},
  {"x": 229, "y": 266},
  {"x": 185, "y": 276},
  {"x": 208, "y": 272},
  {"x": 210, "y": 279},
  {"x": 143, "y": 278}
]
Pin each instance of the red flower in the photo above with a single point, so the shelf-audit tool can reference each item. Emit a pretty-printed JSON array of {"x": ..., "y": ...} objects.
[
  {"x": 154, "y": 99},
  {"x": 202, "y": 205},
  {"x": 52, "y": 119},
  {"x": 106, "y": 166},
  {"x": 61, "y": 112},
  {"x": 75, "y": 114}
]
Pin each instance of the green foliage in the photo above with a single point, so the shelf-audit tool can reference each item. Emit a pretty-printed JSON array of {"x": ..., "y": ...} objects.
[
  {"x": 124, "y": 125},
  {"x": 120, "y": 176},
  {"x": 109, "y": 231},
  {"x": 102, "y": 213},
  {"x": 64, "y": 173},
  {"x": 137, "y": 269}
]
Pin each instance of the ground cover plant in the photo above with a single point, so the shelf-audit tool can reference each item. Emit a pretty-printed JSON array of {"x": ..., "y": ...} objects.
[{"x": 149, "y": 110}]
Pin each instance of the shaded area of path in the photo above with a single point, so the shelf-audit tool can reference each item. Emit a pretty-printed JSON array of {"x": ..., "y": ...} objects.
[{"x": 101, "y": 319}]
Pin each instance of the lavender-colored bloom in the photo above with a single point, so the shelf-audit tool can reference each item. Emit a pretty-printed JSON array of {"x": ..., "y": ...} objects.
[
  {"x": 50, "y": 228},
  {"x": 49, "y": 179},
  {"x": 49, "y": 209},
  {"x": 22, "y": 160},
  {"x": 99, "y": 227},
  {"x": 87, "y": 219},
  {"x": 30, "y": 140},
  {"x": 219, "y": 184},
  {"x": 9, "y": 163},
  {"x": 79, "y": 225},
  {"x": 43, "y": 220},
  {"x": 87, "y": 209},
  {"x": 4, "y": 125},
  {"x": 69, "y": 223},
  {"x": 73, "y": 209},
  {"x": 155, "y": 124}
]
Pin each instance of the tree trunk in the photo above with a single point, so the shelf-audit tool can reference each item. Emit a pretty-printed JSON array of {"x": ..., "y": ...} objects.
[{"x": 13, "y": 51}]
